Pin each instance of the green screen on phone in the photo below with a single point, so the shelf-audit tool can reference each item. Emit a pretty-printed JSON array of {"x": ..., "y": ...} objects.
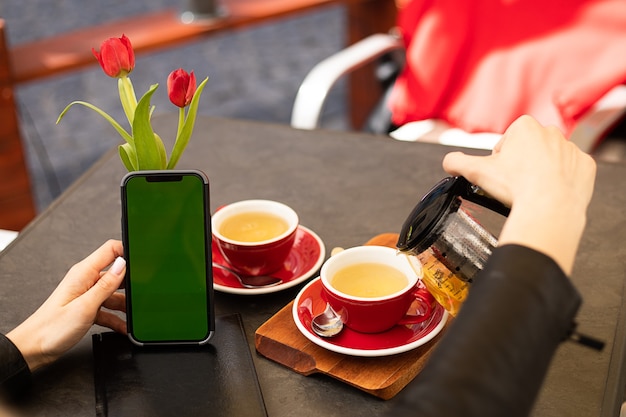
[{"x": 167, "y": 245}]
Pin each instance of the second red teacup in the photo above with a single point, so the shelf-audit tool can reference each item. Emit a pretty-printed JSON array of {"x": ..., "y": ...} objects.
[
  {"x": 372, "y": 287},
  {"x": 255, "y": 236}
]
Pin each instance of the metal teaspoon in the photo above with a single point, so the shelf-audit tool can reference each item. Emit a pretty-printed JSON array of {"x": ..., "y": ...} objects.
[
  {"x": 327, "y": 324},
  {"x": 249, "y": 281}
]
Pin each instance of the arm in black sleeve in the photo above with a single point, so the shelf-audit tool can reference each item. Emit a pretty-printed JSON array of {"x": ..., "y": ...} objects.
[
  {"x": 495, "y": 355},
  {"x": 15, "y": 377}
]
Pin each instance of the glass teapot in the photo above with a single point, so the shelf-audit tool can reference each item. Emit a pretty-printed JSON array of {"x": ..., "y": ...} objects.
[
  {"x": 449, "y": 243},
  {"x": 451, "y": 246}
]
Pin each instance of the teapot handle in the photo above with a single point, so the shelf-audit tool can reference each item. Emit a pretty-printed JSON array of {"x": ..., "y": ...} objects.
[{"x": 477, "y": 195}]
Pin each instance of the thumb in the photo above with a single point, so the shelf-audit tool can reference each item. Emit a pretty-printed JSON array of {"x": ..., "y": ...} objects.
[{"x": 108, "y": 283}]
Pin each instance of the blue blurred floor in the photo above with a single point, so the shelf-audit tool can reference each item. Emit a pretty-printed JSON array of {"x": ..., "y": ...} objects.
[{"x": 254, "y": 73}]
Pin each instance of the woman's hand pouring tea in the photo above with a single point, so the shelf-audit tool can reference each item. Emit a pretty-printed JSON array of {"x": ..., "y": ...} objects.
[{"x": 547, "y": 181}]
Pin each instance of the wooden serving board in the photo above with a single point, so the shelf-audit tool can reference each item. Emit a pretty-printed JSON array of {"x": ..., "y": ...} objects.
[{"x": 280, "y": 340}]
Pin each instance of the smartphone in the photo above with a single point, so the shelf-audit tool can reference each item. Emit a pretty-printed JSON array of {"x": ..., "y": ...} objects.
[{"x": 166, "y": 231}]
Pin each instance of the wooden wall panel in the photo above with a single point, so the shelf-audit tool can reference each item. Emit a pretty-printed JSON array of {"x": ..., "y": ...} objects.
[{"x": 17, "y": 206}]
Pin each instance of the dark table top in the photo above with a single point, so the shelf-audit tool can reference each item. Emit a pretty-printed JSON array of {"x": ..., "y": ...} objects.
[{"x": 347, "y": 187}]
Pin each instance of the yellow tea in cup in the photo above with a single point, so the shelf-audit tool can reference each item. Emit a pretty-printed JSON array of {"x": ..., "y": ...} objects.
[
  {"x": 255, "y": 236},
  {"x": 372, "y": 288},
  {"x": 369, "y": 280},
  {"x": 253, "y": 226}
]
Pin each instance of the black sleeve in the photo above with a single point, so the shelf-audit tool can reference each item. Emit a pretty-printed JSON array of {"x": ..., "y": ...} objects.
[
  {"x": 495, "y": 355},
  {"x": 15, "y": 377}
]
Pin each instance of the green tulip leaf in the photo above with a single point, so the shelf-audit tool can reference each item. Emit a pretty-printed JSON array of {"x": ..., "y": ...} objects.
[
  {"x": 128, "y": 156},
  {"x": 148, "y": 153},
  {"x": 122, "y": 132},
  {"x": 162, "y": 151}
]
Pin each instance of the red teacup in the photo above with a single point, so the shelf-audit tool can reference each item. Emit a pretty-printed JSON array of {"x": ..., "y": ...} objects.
[
  {"x": 375, "y": 313},
  {"x": 260, "y": 251}
]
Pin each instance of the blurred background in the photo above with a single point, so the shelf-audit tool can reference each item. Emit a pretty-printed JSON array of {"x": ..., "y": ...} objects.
[{"x": 254, "y": 73}]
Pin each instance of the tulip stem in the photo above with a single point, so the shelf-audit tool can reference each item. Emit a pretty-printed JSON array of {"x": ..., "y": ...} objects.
[
  {"x": 127, "y": 98},
  {"x": 181, "y": 121}
]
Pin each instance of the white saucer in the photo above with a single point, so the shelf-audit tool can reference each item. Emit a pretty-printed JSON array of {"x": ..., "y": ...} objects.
[{"x": 399, "y": 339}]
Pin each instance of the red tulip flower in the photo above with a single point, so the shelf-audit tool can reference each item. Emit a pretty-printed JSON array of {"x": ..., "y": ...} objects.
[
  {"x": 143, "y": 148},
  {"x": 116, "y": 57},
  {"x": 181, "y": 87}
]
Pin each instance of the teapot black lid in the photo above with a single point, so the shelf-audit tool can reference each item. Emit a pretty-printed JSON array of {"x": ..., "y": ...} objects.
[
  {"x": 445, "y": 197},
  {"x": 417, "y": 232}
]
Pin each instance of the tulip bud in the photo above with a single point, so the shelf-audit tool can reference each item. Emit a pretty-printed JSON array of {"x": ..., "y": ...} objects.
[
  {"x": 181, "y": 87},
  {"x": 116, "y": 57}
]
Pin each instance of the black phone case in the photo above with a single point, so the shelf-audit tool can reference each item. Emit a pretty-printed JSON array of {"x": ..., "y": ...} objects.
[
  {"x": 218, "y": 379},
  {"x": 129, "y": 309}
]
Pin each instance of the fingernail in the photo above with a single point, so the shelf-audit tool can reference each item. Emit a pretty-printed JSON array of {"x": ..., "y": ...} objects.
[{"x": 118, "y": 266}]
